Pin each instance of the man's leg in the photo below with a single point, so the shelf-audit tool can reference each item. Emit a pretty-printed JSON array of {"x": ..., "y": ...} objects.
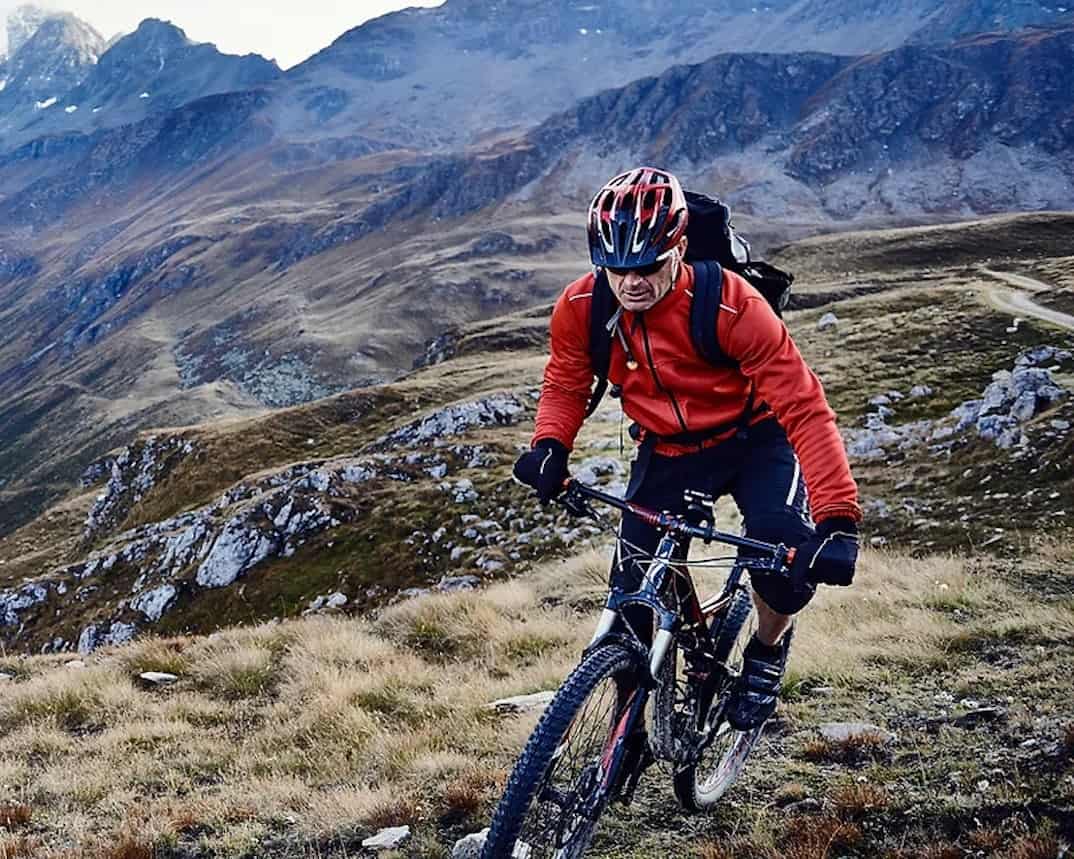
[
  {"x": 660, "y": 487},
  {"x": 771, "y": 624},
  {"x": 771, "y": 494}
]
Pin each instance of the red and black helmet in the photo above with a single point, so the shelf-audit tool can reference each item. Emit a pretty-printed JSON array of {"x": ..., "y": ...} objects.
[{"x": 636, "y": 219}]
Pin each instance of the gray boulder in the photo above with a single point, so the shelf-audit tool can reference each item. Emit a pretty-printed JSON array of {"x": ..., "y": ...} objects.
[
  {"x": 828, "y": 322},
  {"x": 387, "y": 839},
  {"x": 839, "y": 732},
  {"x": 471, "y": 846}
]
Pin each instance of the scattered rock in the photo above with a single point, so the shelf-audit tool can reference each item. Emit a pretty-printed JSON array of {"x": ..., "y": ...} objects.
[
  {"x": 918, "y": 392},
  {"x": 327, "y": 601},
  {"x": 828, "y": 322},
  {"x": 500, "y": 409},
  {"x": 154, "y": 603},
  {"x": 387, "y": 839},
  {"x": 809, "y": 805},
  {"x": 75, "y": 664},
  {"x": 838, "y": 732},
  {"x": 522, "y": 703},
  {"x": 979, "y": 716},
  {"x": 458, "y": 583},
  {"x": 5, "y": 677},
  {"x": 157, "y": 678},
  {"x": 471, "y": 846}
]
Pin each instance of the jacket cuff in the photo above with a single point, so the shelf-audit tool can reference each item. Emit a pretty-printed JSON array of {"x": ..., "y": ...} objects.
[
  {"x": 849, "y": 510},
  {"x": 550, "y": 440}
]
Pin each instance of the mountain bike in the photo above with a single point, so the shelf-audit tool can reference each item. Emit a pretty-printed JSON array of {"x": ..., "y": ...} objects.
[{"x": 595, "y": 739}]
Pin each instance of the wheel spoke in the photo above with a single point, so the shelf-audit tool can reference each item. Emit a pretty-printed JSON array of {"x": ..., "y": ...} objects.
[{"x": 560, "y": 819}]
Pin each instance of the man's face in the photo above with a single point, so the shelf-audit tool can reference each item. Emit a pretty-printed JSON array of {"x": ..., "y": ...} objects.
[{"x": 639, "y": 290}]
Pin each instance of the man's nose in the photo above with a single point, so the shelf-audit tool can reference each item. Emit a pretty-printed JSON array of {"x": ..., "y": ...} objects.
[{"x": 632, "y": 279}]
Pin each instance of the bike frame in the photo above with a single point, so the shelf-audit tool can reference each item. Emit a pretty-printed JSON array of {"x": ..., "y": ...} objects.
[{"x": 669, "y": 620}]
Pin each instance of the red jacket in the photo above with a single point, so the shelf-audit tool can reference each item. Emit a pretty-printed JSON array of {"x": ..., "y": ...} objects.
[{"x": 675, "y": 390}]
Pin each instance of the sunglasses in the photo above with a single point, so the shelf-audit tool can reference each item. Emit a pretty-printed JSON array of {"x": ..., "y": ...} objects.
[{"x": 643, "y": 271}]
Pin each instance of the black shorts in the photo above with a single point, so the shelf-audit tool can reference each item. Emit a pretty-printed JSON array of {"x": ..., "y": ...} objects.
[{"x": 759, "y": 471}]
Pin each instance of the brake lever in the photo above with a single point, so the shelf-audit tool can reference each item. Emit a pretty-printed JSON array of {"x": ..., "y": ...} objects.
[{"x": 575, "y": 503}]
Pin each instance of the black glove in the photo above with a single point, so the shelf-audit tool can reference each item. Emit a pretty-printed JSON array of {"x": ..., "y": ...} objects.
[
  {"x": 544, "y": 468},
  {"x": 829, "y": 556}
]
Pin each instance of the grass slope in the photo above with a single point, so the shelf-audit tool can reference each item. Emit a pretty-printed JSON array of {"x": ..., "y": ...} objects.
[{"x": 304, "y": 737}]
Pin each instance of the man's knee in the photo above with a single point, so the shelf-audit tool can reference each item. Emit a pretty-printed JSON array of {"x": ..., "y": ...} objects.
[
  {"x": 777, "y": 591},
  {"x": 780, "y": 595}
]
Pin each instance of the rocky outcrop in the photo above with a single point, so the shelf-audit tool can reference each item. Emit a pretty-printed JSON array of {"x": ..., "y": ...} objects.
[
  {"x": 1012, "y": 399},
  {"x": 1009, "y": 90},
  {"x": 471, "y": 533},
  {"x": 132, "y": 474},
  {"x": 497, "y": 410}
]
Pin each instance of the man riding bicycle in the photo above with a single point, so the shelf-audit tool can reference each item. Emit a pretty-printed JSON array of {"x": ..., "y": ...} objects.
[{"x": 759, "y": 428}]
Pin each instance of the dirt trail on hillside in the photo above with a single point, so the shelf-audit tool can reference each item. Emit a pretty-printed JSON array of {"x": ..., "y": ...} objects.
[{"x": 1017, "y": 302}]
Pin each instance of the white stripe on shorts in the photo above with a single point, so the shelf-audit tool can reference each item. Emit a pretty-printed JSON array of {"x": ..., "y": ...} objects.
[{"x": 794, "y": 483}]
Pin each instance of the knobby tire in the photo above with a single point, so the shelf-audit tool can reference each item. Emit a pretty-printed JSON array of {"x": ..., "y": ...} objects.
[
  {"x": 699, "y": 786},
  {"x": 609, "y": 661}
]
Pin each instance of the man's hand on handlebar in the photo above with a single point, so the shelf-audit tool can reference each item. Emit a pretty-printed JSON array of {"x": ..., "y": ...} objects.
[
  {"x": 829, "y": 556},
  {"x": 544, "y": 468}
]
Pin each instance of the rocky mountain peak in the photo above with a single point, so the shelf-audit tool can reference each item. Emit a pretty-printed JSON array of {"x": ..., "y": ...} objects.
[
  {"x": 22, "y": 23},
  {"x": 156, "y": 33},
  {"x": 53, "y": 59}
]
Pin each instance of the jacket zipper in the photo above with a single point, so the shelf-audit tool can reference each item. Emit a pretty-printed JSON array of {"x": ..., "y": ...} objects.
[{"x": 656, "y": 378}]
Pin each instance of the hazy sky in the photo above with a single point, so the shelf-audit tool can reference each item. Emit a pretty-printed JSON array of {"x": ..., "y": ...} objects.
[{"x": 287, "y": 31}]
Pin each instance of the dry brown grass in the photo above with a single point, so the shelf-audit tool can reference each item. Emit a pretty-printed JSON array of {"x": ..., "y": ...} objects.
[
  {"x": 14, "y": 815},
  {"x": 732, "y": 848},
  {"x": 1041, "y": 846},
  {"x": 327, "y": 726},
  {"x": 986, "y": 838},
  {"x": 856, "y": 749},
  {"x": 817, "y": 837},
  {"x": 856, "y": 801},
  {"x": 19, "y": 847}
]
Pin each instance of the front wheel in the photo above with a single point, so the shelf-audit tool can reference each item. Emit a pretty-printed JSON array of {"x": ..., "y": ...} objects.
[
  {"x": 722, "y": 752},
  {"x": 562, "y": 783}
]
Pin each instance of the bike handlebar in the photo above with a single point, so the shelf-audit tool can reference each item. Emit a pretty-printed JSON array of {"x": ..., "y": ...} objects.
[{"x": 574, "y": 499}]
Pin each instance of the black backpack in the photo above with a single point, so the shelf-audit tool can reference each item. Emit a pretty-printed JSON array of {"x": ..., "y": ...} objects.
[{"x": 712, "y": 245}]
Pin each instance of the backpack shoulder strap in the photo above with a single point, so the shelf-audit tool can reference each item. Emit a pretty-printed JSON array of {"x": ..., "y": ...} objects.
[
  {"x": 601, "y": 310},
  {"x": 705, "y": 310}
]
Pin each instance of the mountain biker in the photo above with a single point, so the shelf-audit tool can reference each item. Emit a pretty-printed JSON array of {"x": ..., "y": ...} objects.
[{"x": 760, "y": 430}]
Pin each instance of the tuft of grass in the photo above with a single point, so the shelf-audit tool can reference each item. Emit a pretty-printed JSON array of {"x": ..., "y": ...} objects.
[
  {"x": 852, "y": 751},
  {"x": 1041, "y": 846},
  {"x": 791, "y": 792},
  {"x": 19, "y": 847},
  {"x": 814, "y": 837},
  {"x": 392, "y": 811},
  {"x": 73, "y": 701},
  {"x": 156, "y": 654},
  {"x": 465, "y": 797},
  {"x": 14, "y": 815},
  {"x": 733, "y": 848},
  {"x": 854, "y": 802},
  {"x": 129, "y": 847},
  {"x": 986, "y": 838},
  {"x": 236, "y": 672}
]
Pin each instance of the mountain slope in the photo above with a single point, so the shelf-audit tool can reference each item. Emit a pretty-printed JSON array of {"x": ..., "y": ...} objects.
[
  {"x": 205, "y": 209},
  {"x": 434, "y": 77},
  {"x": 152, "y": 70}
]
